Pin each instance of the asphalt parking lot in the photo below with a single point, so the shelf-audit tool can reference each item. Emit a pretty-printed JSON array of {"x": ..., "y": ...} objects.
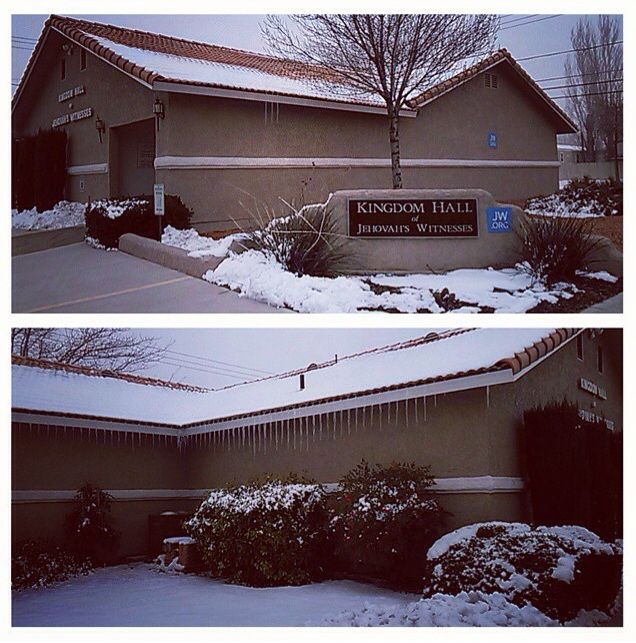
[{"x": 79, "y": 279}]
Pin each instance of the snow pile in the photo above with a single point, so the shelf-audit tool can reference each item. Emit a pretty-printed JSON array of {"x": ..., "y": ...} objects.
[
  {"x": 559, "y": 570},
  {"x": 510, "y": 290},
  {"x": 172, "y": 567},
  {"x": 602, "y": 275},
  {"x": 95, "y": 243},
  {"x": 466, "y": 609},
  {"x": 196, "y": 245},
  {"x": 179, "y": 540},
  {"x": 65, "y": 214},
  {"x": 114, "y": 208}
]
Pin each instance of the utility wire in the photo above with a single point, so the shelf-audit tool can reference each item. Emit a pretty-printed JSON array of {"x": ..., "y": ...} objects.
[
  {"x": 530, "y": 22},
  {"x": 565, "y": 51},
  {"x": 211, "y": 369},
  {"x": 518, "y": 18},
  {"x": 592, "y": 73},
  {"x": 216, "y": 361},
  {"x": 588, "y": 94},
  {"x": 202, "y": 370},
  {"x": 596, "y": 82}
]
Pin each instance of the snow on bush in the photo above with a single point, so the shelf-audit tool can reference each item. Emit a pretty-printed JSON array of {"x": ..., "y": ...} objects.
[
  {"x": 384, "y": 520},
  {"x": 37, "y": 563},
  {"x": 466, "y": 609},
  {"x": 555, "y": 249},
  {"x": 580, "y": 198},
  {"x": 196, "y": 245},
  {"x": 559, "y": 570},
  {"x": 511, "y": 290},
  {"x": 305, "y": 242},
  {"x": 263, "y": 533},
  {"x": 65, "y": 214},
  {"x": 108, "y": 219}
]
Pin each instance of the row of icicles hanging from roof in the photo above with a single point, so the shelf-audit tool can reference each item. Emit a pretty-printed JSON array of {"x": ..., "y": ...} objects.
[{"x": 295, "y": 433}]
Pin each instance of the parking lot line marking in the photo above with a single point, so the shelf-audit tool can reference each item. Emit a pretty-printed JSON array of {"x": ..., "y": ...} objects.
[{"x": 110, "y": 294}]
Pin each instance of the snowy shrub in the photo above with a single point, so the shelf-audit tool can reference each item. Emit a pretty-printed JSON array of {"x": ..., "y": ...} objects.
[
  {"x": 39, "y": 563},
  {"x": 88, "y": 526},
  {"x": 264, "y": 533},
  {"x": 554, "y": 248},
  {"x": 558, "y": 570},
  {"x": 384, "y": 521},
  {"x": 108, "y": 219},
  {"x": 581, "y": 198},
  {"x": 306, "y": 242}
]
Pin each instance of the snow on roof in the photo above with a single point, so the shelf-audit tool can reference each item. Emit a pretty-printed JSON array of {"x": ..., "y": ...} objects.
[
  {"x": 152, "y": 57},
  {"x": 449, "y": 355},
  {"x": 568, "y": 147}
]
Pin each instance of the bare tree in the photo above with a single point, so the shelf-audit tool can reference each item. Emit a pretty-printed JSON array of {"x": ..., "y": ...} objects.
[
  {"x": 394, "y": 57},
  {"x": 113, "y": 349},
  {"x": 595, "y": 86}
]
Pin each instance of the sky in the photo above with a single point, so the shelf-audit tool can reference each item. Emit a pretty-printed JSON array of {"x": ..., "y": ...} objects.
[
  {"x": 528, "y": 36},
  {"x": 264, "y": 349}
]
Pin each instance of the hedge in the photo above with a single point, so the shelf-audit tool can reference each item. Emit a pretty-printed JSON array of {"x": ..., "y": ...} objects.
[{"x": 107, "y": 219}]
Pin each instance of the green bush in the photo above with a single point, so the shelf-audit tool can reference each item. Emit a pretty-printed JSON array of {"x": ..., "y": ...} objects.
[
  {"x": 384, "y": 521},
  {"x": 306, "y": 242},
  {"x": 558, "y": 570},
  {"x": 108, "y": 219},
  {"x": 89, "y": 525},
  {"x": 263, "y": 534},
  {"x": 554, "y": 248},
  {"x": 40, "y": 563}
]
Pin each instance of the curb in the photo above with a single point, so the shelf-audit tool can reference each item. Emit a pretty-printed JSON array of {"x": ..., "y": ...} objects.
[
  {"x": 25, "y": 242},
  {"x": 168, "y": 256}
]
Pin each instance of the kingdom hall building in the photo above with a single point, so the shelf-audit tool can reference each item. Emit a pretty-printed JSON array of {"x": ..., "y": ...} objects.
[{"x": 232, "y": 131}]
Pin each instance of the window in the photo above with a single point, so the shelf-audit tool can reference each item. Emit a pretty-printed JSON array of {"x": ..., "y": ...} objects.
[
  {"x": 82, "y": 59},
  {"x": 63, "y": 68},
  {"x": 579, "y": 346},
  {"x": 490, "y": 80},
  {"x": 599, "y": 359}
]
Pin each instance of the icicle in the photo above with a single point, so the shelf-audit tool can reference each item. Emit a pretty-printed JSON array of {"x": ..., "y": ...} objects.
[
  {"x": 415, "y": 411},
  {"x": 307, "y": 432},
  {"x": 265, "y": 429},
  {"x": 253, "y": 442},
  {"x": 425, "y": 409},
  {"x": 320, "y": 427},
  {"x": 435, "y": 400},
  {"x": 488, "y": 397},
  {"x": 348, "y": 421},
  {"x": 294, "y": 431}
]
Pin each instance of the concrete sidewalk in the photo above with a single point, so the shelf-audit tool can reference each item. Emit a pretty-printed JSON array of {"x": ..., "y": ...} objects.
[{"x": 79, "y": 279}]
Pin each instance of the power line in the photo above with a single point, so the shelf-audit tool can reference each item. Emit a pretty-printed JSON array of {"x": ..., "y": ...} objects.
[
  {"x": 216, "y": 361},
  {"x": 518, "y": 18},
  {"x": 588, "y": 94},
  {"x": 25, "y": 38},
  {"x": 211, "y": 369},
  {"x": 565, "y": 51},
  {"x": 529, "y": 22},
  {"x": 243, "y": 378},
  {"x": 596, "y": 82},
  {"x": 592, "y": 73},
  {"x": 23, "y": 48}
]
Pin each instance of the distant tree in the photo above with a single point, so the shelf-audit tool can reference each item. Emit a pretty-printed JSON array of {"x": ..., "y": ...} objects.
[
  {"x": 113, "y": 349},
  {"x": 394, "y": 57},
  {"x": 595, "y": 86}
]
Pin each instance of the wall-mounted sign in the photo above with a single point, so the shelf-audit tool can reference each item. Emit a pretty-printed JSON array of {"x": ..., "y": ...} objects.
[
  {"x": 499, "y": 219},
  {"x": 69, "y": 93},
  {"x": 158, "y": 191},
  {"x": 591, "y": 387},
  {"x": 588, "y": 416},
  {"x": 389, "y": 218},
  {"x": 72, "y": 117},
  {"x": 492, "y": 139}
]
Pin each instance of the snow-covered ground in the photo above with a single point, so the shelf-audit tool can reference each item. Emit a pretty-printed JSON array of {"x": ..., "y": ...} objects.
[
  {"x": 65, "y": 214},
  {"x": 554, "y": 206},
  {"x": 138, "y": 595},
  {"x": 509, "y": 290},
  {"x": 196, "y": 245},
  {"x": 141, "y": 595}
]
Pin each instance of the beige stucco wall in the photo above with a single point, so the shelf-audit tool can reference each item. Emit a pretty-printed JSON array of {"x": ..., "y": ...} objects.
[{"x": 462, "y": 436}]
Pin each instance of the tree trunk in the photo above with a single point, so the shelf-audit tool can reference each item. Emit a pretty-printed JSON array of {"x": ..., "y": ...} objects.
[{"x": 394, "y": 137}]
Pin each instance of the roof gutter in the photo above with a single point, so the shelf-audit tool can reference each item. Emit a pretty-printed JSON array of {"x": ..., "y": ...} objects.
[{"x": 239, "y": 94}]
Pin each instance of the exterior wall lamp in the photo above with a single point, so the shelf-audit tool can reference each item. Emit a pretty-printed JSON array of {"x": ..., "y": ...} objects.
[
  {"x": 158, "y": 110},
  {"x": 100, "y": 126}
]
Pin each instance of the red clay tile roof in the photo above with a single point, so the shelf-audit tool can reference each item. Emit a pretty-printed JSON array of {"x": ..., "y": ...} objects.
[
  {"x": 85, "y": 33},
  {"x": 96, "y": 372}
]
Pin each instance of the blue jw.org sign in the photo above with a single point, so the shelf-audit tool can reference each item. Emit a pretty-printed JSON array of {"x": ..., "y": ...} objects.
[{"x": 499, "y": 219}]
